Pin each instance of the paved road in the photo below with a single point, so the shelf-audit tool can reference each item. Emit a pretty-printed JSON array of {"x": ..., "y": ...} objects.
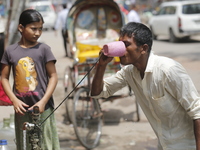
[{"x": 118, "y": 133}]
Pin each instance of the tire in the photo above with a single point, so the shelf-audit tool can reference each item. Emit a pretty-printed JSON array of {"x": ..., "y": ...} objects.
[
  {"x": 137, "y": 108},
  {"x": 87, "y": 119},
  {"x": 137, "y": 111},
  {"x": 187, "y": 38},
  {"x": 172, "y": 37},
  {"x": 153, "y": 34},
  {"x": 68, "y": 87}
]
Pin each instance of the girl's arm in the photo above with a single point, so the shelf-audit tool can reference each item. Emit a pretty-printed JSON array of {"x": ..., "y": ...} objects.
[
  {"x": 53, "y": 79},
  {"x": 17, "y": 104}
]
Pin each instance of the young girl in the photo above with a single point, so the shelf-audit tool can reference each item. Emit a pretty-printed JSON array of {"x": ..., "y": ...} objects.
[{"x": 35, "y": 79}]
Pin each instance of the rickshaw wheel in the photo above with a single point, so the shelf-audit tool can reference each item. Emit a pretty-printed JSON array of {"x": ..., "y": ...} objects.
[
  {"x": 87, "y": 118},
  {"x": 68, "y": 87}
]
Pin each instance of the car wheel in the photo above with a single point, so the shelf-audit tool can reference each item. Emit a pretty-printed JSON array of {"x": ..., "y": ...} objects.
[
  {"x": 187, "y": 38},
  {"x": 172, "y": 37},
  {"x": 153, "y": 34}
]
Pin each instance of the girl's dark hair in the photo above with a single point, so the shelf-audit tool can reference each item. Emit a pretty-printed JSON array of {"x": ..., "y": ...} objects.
[
  {"x": 141, "y": 33},
  {"x": 30, "y": 15}
]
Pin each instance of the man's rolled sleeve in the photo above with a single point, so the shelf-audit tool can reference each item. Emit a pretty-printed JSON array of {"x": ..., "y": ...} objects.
[{"x": 111, "y": 85}]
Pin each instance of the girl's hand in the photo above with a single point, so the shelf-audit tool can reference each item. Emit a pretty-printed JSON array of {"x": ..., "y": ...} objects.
[
  {"x": 19, "y": 106},
  {"x": 41, "y": 106}
]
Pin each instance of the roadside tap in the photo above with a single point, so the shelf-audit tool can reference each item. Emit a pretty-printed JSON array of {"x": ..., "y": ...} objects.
[
  {"x": 32, "y": 131},
  {"x": 36, "y": 114}
]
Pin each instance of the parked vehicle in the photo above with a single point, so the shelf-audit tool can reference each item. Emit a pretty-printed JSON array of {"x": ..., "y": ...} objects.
[
  {"x": 177, "y": 20},
  {"x": 47, "y": 11}
]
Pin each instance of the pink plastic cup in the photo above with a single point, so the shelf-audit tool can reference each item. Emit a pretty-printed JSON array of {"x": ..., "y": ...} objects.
[{"x": 114, "y": 49}]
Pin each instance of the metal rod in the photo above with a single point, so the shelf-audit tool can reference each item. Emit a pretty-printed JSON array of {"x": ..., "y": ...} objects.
[{"x": 72, "y": 90}]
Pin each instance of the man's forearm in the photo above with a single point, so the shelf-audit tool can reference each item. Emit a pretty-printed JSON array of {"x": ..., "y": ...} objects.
[{"x": 97, "y": 83}]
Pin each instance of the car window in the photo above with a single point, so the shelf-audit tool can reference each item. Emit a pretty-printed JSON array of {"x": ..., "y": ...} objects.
[
  {"x": 172, "y": 10},
  {"x": 162, "y": 11},
  {"x": 43, "y": 8},
  {"x": 191, "y": 9},
  {"x": 167, "y": 10}
]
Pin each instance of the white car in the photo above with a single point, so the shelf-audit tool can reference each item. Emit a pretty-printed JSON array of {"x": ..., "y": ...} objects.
[
  {"x": 177, "y": 20},
  {"x": 47, "y": 11}
]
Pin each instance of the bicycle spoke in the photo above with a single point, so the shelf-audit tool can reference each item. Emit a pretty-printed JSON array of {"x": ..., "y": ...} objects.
[{"x": 87, "y": 119}]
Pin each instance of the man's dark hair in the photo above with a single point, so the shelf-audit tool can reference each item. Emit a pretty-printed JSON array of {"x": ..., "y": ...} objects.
[
  {"x": 64, "y": 6},
  {"x": 141, "y": 33},
  {"x": 133, "y": 6}
]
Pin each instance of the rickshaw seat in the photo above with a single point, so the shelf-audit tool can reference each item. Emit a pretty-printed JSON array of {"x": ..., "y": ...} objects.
[{"x": 86, "y": 51}]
